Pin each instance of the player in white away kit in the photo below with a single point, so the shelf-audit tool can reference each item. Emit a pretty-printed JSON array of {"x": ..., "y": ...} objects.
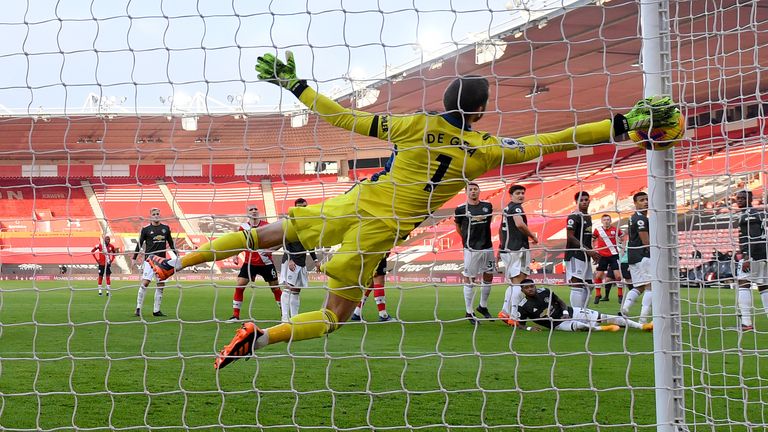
[
  {"x": 545, "y": 308},
  {"x": 578, "y": 251},
  {"x": 514, "y": 251},
  {"x": 639, "y": 258},
  {"x": 152, "y": 241},
  {"x": 293, "y": 274},
  {"x": 753, "y": 243},
  {"x": 256, "y": 263},
  {"x": 606, "y": 240},
  {"x": 473, "y": 223}
]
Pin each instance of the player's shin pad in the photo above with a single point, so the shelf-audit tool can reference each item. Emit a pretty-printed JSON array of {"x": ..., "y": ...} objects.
[{"x": 221, "y": 248}]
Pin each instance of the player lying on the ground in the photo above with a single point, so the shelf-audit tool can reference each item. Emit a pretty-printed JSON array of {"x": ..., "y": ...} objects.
[
  {"x": 545, "y": 308},
  {"x": 436, "y": 155}
]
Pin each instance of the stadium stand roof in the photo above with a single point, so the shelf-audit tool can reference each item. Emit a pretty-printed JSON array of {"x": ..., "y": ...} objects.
[{"x": 586, "y": 58}]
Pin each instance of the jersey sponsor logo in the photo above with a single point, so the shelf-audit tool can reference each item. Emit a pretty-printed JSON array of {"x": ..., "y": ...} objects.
[
  {"x": 384, "y": 123},
  {"x": 513, "y": 144}
]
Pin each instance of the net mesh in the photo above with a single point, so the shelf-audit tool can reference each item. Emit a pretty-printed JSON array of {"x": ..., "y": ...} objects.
[{"x": 111, "y": 109}]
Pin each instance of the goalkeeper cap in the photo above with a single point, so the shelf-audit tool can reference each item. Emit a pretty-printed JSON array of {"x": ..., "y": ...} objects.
[{"x": 467, "y": 94}]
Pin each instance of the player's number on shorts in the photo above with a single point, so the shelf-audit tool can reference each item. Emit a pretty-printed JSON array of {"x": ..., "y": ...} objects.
[{"x": 445, "y": 162}]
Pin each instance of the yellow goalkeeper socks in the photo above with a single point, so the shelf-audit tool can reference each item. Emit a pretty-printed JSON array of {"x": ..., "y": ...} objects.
[
  {"x": 223, "y": 247},
  {"x": 308, "y": 325}
]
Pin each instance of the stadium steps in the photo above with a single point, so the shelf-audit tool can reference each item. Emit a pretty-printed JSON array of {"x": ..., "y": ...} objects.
[
  {"x": 269, "y": 199},
  {"x": 120, "y": 260}
]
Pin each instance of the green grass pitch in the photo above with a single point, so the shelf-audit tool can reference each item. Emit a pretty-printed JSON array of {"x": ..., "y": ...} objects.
[{"x": 71, "y": 359}]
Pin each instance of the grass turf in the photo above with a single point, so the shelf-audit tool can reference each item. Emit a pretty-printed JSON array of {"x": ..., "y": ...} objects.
[{"x": 71, "y": 359}]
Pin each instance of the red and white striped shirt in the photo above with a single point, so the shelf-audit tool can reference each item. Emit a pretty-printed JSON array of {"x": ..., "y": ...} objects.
[
  {"x": 101, "y": 257},
  {"x": 603, "y": 248}
]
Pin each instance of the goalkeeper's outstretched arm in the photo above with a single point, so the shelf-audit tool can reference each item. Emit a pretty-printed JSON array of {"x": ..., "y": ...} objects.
[
  {"x": 273, "y": 70},
  {"x": 656, "y": 111}
]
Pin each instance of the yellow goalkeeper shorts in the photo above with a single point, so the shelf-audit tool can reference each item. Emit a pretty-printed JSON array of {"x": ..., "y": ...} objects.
[{"x": 364, "y": 241}]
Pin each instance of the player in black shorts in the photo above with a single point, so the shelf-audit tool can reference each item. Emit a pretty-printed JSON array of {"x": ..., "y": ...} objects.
[
  {"x": 606, "y": 239},
  {"x": 473, "y": 223},
  {"x": 377, "y": 287},
  {"x": 256, "y": 263}
]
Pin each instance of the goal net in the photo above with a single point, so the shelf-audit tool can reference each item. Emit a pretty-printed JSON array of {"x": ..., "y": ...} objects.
[{"x": 146, "y": 122}]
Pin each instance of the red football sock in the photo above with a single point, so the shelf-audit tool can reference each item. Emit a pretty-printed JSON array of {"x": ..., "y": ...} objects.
[
  {"x": 238, "y": 297},
  {"x": 278, "y": 293},
  {"x": 598, "y": 287},
  {"x": 109, "y": 280},
  {"x": 99, "y": 280},
  {"x": 378, "y": 295}
]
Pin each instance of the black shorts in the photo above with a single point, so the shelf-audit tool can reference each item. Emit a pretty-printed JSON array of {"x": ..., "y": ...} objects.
[
  {"x": 625, "y": 271},
  {"x": 105, "y": 269},
  {"x": 608, "y": 263},
  {"x": 267, "y": 272},
  {"x": 381, "y": 270}
]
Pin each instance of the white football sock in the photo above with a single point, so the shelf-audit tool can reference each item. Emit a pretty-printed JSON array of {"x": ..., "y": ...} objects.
[
  {"x": 469, "y": 294},
  {"x": 745, "y": 304},
  {"x": 515, "y": 299},
  {"x": 764, "y": 298},
  {"x": 294, "y": 299},
  {"x": 506, "y": 307},
  {"x": 629, "y": 300},
  {"x": 485, "y": 292},
  {"x": 621, "y": 321},
  {"x": 579, "y": 297},
  {"x": 574, "y": 326},
  {"x": 175, "y": 262},
  {"x": 645, "y": 306},
  {"x": 140, "y": 296},
  {"x": 285, "y": 307},
  {"x": 158, "y": 298}
]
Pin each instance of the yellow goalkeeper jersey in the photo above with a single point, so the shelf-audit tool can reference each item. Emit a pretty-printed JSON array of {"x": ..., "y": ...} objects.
[{"x": 435, "y": 156}]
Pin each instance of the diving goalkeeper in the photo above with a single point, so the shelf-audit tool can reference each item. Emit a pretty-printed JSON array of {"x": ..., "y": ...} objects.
[{"x": 435, "y": 156}]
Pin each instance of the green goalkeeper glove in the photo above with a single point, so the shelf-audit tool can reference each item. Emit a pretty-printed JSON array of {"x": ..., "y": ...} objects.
[
  {"x": 273, "y": 70},
  {"x": 651, "y": 112}
]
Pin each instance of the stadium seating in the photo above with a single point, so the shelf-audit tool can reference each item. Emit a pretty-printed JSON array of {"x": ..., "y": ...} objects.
[
  {"x": 45, "y": 221},
  {"x": 313, "y": 188},
  {"x": 126, "y": 204},
  {"x": 58, "y": 210}
]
